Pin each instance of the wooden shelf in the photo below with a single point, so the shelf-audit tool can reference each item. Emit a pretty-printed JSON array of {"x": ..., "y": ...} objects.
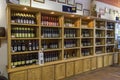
[
  {"x": 51, "y": 26},
  {"x": 47, "y": 50},
  {"x": 19, "y": 24},
  {"x": 73, "y": 38},
  {"x": 110, "y": 37},
  {"x": 23, "y": 52},
  {"x": 100, "y": 37},
  {"x": 99, "y": 45},
  {"x": 110, "y": 29},
  {"x": 50, "y": 38},
  {"x": 87, "y": 28},
  {"x": 24, "y": 38},
  {"x": 86, "y": 46},
  {"x": 86, "y": 37},
  {"x": 100, "y": 29},
  {"x": 110, "y": 44},
  {"x": 72, "y": 48},
  {"x": 71, "y": 27}
]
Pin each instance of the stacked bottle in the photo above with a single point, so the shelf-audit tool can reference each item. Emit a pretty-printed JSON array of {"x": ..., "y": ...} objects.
[
  {"x": 23, "y": 18},
  {"x": 49, "y": 45},
  {"x": 86, "y": 42},
  {"x": 24, "y": 45},
  {"x": 110, "y": 25},
  {"x": 98, "y": 42},
  {"x": 69, "y": 23},
  {"x": 24, "y": 59},
  {"x": 86, "y": 52},
  {"x": 85, "y": 33},
  {"x": 50, "y": 32},
  {"x": 70, "y": 43},
  {"x": 99, "y": 50},
  {"x": 70, "y": 54},
  {"x": 68, "y": 33},
  {"x": 49, "y": 20},
  {"x": 23, "y": 32},
  {"x": 51, "y": 56},
  {"x": 109, "y": 48}
]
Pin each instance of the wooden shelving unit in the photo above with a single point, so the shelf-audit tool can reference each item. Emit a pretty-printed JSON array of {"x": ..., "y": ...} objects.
[{"x": 70, "y": 44}]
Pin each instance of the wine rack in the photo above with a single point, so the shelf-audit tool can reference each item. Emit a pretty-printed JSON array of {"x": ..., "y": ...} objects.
[
  {"x": 24, "y": 45},
  {"x": 100, "y": 24},
  {"x": 51, "y": 56},
  {"x": 100, "y": 36},
  {"x": 70, "y": 54},
  {"x": 87, "y": 51},
  {"x": 100, "y": 50},
  {"x": 87, "y": 36},
  {"x": 58, "y": 38},
  {"x": 24, "y": 59},
  {"x": 86, "y": 33},
  {"x": 110, "y": 40}
]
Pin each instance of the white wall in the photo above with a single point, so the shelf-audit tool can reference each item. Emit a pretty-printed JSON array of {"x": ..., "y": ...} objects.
[
  {"x": 103, "y": 6},
  {"x": 51, "y": 5},
  {"x": 3, "y": 48}
]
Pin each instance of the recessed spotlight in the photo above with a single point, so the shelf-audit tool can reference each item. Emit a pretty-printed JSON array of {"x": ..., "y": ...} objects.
[
  {"x": 72, "y": 15},
  {"x": 25, "y": 8},
  {"x": 52, "y": 13}
]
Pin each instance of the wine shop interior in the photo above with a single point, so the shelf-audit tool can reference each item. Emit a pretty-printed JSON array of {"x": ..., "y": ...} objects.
[{"x": 59, "y": 40}]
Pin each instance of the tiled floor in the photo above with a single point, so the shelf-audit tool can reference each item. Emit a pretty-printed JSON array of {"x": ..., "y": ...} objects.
[{"x": 108, "y": 73}]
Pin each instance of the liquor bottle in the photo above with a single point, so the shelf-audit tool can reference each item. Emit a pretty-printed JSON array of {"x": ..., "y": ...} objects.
[
  {"x": 12, "y": 46},
  {"x": 29, "y": 45},
  {"x": 34, "y": 42},
  {"x": 19, "y": 60},
  {"x": 13, "y": 17},
  {"x": 34, "y": 58},
  {"x": 15, "y": 46},
  {"x": 37, "y": 45},
  {"x": 65, "y": 55},
  {"x": 19, "y": 46},
  {"x": 27, "y": 59},
  {"x": 23, "y": 45},
  {"x": 22, "y": 59},
  {"x": 28, "y": 33},
  {"x": 15, "y": 63}
]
